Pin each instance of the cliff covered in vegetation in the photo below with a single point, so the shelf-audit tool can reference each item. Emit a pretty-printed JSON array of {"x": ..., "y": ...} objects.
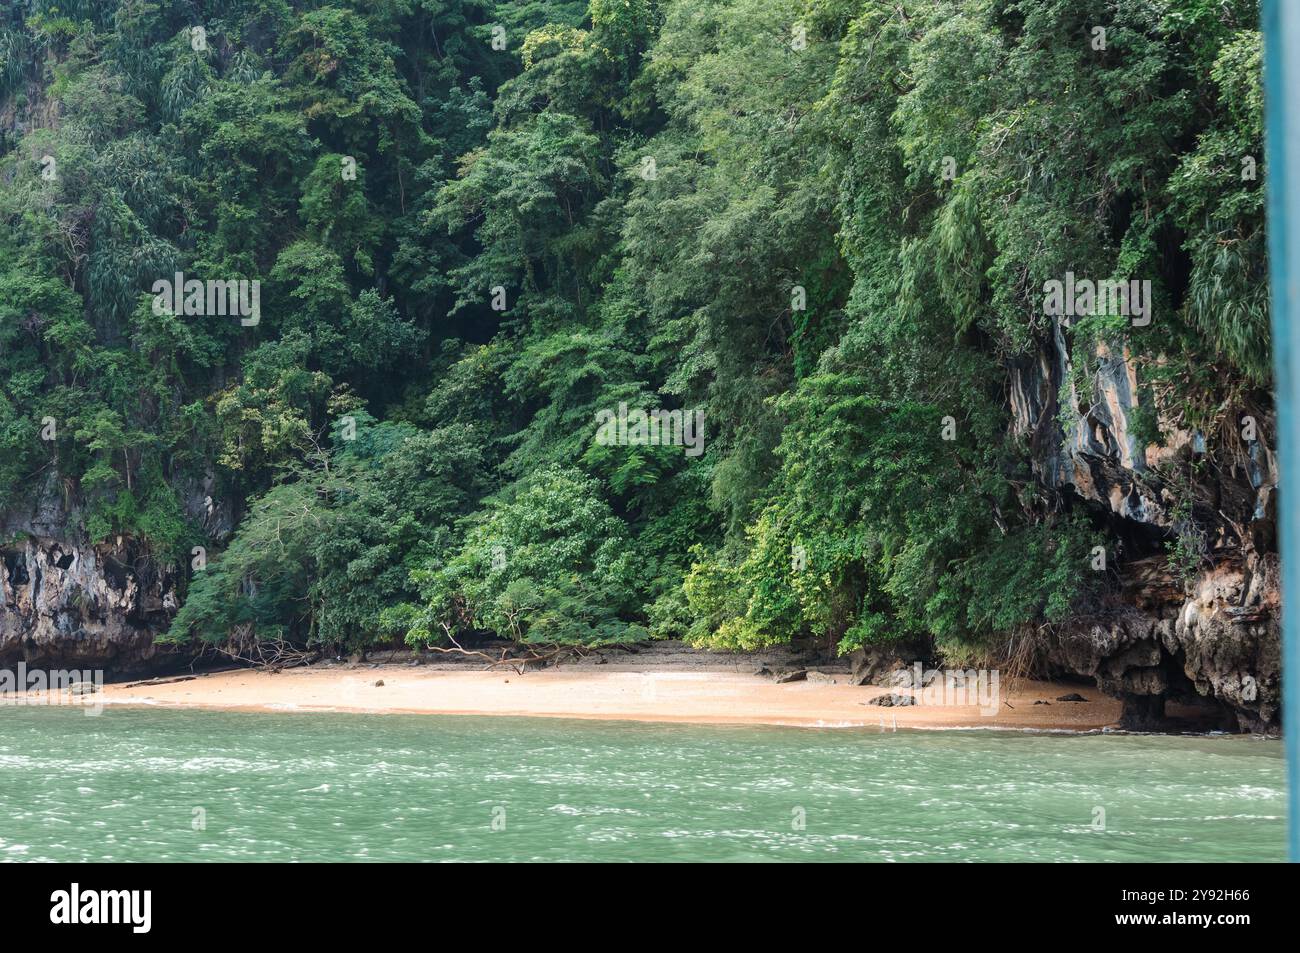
[{"x": 933, "y": 326}]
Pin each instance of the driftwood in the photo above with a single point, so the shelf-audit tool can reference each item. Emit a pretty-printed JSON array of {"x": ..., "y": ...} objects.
[
  {"x": 519, "y": 662},
  {"x": 273, "y": 654},
  {"x": 161, "y": 681},
  {"x": 276, "y": 654}
]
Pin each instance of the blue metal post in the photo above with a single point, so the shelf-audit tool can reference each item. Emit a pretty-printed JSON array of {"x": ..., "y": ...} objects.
[{"x": 1281, "y": 23}]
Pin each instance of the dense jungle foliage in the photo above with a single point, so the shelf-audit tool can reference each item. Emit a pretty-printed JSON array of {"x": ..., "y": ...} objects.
[{"x": 821, "y": 226}]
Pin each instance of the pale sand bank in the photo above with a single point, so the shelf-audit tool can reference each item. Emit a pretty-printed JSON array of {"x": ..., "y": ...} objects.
[{"x": 704, "y": 697}]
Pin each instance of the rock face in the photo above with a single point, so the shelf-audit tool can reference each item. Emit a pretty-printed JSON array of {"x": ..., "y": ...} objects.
[
  {"x": 1220, "y": 644},
  {"x": 1213, "y": 638},
  {"x": 65, "y": 606}
]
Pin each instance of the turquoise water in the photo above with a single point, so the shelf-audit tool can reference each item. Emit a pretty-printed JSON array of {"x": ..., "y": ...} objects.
[{"x": 130, "y": 785}]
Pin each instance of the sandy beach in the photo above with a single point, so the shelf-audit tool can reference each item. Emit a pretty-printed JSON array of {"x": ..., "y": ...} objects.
[{"x": 695, "y": 696}]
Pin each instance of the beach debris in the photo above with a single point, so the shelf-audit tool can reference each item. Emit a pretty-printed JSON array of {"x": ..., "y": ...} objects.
[
  {"x": 379, "y": 683},
  {"x": 519, "y": 663},
  {"x": 264, "y": 654},
  {"x": 162, "y": 681}
]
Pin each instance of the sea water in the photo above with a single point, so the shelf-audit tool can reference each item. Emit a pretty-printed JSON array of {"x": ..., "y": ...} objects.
[{"x": 184, "y": 785}]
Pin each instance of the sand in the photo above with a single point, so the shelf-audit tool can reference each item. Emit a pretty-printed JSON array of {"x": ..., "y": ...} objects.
[{"x": 703, "y": 697}]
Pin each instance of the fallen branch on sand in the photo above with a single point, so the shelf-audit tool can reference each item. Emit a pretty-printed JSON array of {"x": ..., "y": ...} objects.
[
  {"x": 268, "y": 653},
  {"x": 517, "y": 662},
  {"x": 160, "y": 681}
]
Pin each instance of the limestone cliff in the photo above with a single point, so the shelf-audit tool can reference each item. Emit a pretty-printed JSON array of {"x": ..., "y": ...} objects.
[
  {"x": 1213, "y": 635},
  {"x": 80, "y": 606},
  {"x": 67, "y": 603}
]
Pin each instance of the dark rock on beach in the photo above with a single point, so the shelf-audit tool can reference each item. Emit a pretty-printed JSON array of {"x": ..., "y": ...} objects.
[{"x": 892, "y": 701}]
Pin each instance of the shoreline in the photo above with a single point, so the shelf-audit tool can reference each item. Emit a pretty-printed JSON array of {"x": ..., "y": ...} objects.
[{"x": 712, "y": 696}]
